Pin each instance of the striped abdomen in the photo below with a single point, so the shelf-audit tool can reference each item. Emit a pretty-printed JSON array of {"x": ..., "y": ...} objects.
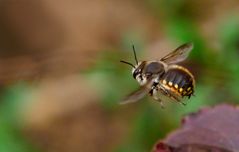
[{"x": 178, "y": 80}]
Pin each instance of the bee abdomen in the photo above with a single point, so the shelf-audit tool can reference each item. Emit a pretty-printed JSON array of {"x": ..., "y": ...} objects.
[{"x": 179, "y": 80}]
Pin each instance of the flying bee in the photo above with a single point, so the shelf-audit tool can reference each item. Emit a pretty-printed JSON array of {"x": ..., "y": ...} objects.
[{"x": 163, "y": 77}]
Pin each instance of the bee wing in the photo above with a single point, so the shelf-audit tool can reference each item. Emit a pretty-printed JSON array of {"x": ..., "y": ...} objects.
[
  {"x": 179, "y": 54},
  {"x": 138, "y": 94}
]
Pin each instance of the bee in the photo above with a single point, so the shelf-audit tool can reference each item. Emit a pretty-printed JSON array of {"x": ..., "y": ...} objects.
[{"x": 163, "y": 77}]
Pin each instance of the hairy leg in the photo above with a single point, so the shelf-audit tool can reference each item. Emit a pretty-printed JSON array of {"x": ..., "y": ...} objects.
[
  {"x": 155, "y": 96},
  {"x": 165, "y": 92}
]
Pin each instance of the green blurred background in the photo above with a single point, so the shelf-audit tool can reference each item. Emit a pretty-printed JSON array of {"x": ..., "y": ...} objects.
[{"x": 61, "y": 79}]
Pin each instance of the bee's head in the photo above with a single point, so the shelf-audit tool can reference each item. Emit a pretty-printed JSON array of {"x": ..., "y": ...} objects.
[
  {"x": 137, "y": 69},
  {"x": 138, "y": 73}
]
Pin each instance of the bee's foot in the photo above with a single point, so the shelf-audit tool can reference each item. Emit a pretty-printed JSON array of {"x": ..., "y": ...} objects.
[
  {"x": 162, "y": 105},
  {"x": 184, "y": 104}
]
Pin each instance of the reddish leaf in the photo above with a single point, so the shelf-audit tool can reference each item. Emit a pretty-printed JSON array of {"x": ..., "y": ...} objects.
[
  {"x": 211, "y": 129},
  {"x": 161, "y": 147}
]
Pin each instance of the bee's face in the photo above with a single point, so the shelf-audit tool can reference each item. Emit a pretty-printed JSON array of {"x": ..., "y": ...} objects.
[{"x": 138, "y": 73}]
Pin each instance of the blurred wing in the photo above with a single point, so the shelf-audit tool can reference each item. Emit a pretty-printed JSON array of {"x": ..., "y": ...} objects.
[
  {"x": 136, "y": 95},
  {"x": 179, "y": 54}
]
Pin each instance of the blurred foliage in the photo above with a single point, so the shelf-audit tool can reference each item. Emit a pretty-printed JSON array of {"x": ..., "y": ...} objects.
[{"x": 11, "y": 136}]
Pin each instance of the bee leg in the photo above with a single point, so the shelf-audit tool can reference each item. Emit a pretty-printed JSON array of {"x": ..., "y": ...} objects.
[
  {"x": 178, "y": 100},
  {"x": 172, "y": 96},
  {"x": 160, "y": 102},
  {"x": 183, "y": 103},
  {"x": 151, "y": 92},
  {"x": 154, "y": 94}
]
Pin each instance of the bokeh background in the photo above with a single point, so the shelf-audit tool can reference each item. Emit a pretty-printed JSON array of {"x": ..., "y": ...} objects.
[{"x": 61, "y": 79}]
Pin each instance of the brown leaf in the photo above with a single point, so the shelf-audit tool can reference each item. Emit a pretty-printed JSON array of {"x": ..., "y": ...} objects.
[{"x": 211, "y": 129}]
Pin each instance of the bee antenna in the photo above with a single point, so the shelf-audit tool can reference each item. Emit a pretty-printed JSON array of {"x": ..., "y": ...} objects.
[
  {"x": 128, "y": 63},
  {"x": 135, "y": 56}
]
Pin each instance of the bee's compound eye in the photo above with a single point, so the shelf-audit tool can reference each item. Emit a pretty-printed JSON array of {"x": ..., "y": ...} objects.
[
  {"x": 135, "y": 74},
  {"x": 138, "y": 69},
  {"x": 154, "y": 68}
]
